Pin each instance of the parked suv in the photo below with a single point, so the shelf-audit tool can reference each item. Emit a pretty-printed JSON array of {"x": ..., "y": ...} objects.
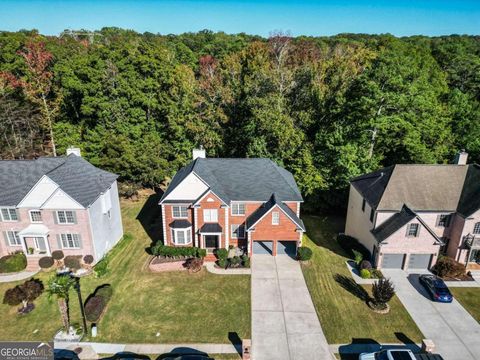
[{"x": 398, "y": 354}]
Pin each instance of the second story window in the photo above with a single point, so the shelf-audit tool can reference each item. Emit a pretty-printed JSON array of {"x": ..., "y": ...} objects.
[
  {"x": 9, "y": 214},
  {"x": 180, "y": 211},
  {"x": 238, "y": 209},
  {"x": 275, "y": 218},
  {"x": 443, "y": 220},
  {"x": 476, "y": 228},
  {"x": 210, "y": 215},
  {"x": 66, "y": 217},
  {"x": 412, "y": 230},
  {"x": 35, "y": 216},
  {"x": 238, "y": 231}
]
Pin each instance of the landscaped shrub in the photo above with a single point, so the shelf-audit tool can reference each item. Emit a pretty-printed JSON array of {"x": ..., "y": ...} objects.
[
  {"x": 58, "y": 255},
  {"x": 349, "y": 243},
  {"x": 101, "y": 268},
  {"x": 365, "y": 274},
  {"x": 304, "y": 253},
  {"x": 357, "y": 257},
  {"x": 72, "y": 262},
  {"x": 365, "y": 264},
  {"x": 173, "y": 251},
  {"x": 222, "y": 262},
  {"x": 23, "y": 294},
  {"x": 104, "y": 291},
  {"x": 13, "y": 262},
  {"x": 447, "y": 267},
  {"x": 376, "y": 274},
  {"x": 234, "y": 261},
  {"x": 201, "y": 253},
  {"x": 221, "y": 253},
  {"x": 246, "y": 261},
  {"x": 46, "y": 262},
  {"x": 382, "y": 291},
  {"x": 94, "y": 308},
  {"x": 194, "y": 264},
  {"x": 88, "y": 259}
]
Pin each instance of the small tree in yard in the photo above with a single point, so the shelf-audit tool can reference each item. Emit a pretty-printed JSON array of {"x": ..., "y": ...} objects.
[
  {"x": 59, "y": 286},
  {"x": 23, "y": 294},
  {"x": 383, "y": 292}
]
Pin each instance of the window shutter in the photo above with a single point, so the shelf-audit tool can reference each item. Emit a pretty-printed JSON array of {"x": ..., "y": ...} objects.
[
  {"x": 79, "y": 238},
  {"x": 5, "y": 236},
  {"x": 437, "y": 223},
  {"x": 59, "y": 241},
  {"x": 74, "y": 213},
  {"x": 55, "y": 218},
  {"x": 408, "y": 230}
]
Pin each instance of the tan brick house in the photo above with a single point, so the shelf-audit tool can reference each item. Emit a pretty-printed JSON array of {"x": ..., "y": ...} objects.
[
  {"x": 407, "y": 215},
  {"x": 253, "y": 204}
]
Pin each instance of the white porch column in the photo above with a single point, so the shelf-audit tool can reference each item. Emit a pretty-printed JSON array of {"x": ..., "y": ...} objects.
[
  {"x": 195, "y": 226},
  {"x": 248, "y": 243},
  {"x": 47, "y": 245},
  {"x": 227, "y": 229},
  {"x": 164, "y": 227}
]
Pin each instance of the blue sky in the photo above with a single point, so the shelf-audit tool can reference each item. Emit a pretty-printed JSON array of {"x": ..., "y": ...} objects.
[{"x": 304, "y": 17}]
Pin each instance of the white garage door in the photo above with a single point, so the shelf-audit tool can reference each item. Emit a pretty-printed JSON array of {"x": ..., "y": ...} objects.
[
  {"x": 419, "y": 261},
  {"x": 393, "y": 261}
]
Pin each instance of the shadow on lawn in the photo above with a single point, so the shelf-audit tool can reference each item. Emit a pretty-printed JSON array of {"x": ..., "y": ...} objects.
[
  {"x": 150, "y": 217},
  {"x": 323, "y": 231},
  {"x": 352, "y": 287}
]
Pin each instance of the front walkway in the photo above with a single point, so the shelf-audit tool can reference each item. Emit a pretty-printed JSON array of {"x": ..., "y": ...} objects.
[
  {"x": 17, "y": 276},
  {"x": 285, "y": 325},
  {"x": 454, "y": 331},
  {"x": 210, "y": 266}
]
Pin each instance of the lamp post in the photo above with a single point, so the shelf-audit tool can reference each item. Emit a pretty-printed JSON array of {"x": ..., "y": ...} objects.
[{"x": 80, "y": 301}]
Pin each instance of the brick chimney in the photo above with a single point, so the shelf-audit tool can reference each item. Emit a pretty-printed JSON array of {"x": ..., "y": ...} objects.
[{"x": 461, "y": 158}]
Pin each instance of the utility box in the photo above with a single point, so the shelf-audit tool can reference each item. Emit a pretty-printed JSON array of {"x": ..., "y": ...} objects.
[{"x": 246, "y": 348}]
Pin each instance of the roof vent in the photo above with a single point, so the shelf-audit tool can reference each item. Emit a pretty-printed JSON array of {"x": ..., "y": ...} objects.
[
  {"x": 198, "y": 153},
  {"x": 461, "y": 158},
  {"x": 74, "y": 151}
]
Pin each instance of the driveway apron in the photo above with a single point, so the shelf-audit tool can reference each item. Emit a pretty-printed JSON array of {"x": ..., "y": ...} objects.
[
  {"x": 285, "y": 325},
  {"x": 454, "y": 331}
]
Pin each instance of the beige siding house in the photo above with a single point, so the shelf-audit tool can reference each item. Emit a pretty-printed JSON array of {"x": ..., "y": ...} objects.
[{"x": 407, "y": 215}]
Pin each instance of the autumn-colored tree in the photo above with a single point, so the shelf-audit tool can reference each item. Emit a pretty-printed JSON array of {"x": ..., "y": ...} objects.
[{"x": 38, "y": 85}]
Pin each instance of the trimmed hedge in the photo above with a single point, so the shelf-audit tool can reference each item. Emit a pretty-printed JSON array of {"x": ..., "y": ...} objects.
[
  {"x": 174, "y": 251},
  {"x": 13, "y": 263},
  {"x": 365, "y": 274},
  {"x": 221, "y": 253},
  {"x": 349, "y": 243},
  {"x": 88, "y": 259},
  {"x": 304, "y": 253},
  {"x": 58, "y": 254},
  {"x": 46, "y": 262}
]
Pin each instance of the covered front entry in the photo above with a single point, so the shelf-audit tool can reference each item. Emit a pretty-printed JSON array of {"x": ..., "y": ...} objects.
[
  {"x": 393, "y": 261},
  {"x": 211, "y": 242},
  {"x": 34, "y": 240},
  {"x": 263, "y": 247},
  {"x": 287, "y": 248},
  {"x": 419, "y": 261}
]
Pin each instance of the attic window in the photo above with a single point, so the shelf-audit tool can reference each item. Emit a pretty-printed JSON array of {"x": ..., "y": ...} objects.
[
  {"x": 412, "y": 230},
  {"x": 275, "y": 218}
]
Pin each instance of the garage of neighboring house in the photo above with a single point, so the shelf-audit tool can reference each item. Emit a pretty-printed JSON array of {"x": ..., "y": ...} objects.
[
  {"x": 263, "y": 247},
  {"x": 419, "y": 261},
  {"x": 393, "y": 261}
]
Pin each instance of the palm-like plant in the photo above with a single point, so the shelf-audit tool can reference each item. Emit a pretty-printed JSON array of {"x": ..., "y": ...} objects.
[{"x": 59, "y": 286}]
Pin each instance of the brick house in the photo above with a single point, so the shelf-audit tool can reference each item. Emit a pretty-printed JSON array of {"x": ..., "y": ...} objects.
[
  {"x": 58, "y": 203},
  {"x": 252, "y": 204},
  {"x": 407, "y": 215}
]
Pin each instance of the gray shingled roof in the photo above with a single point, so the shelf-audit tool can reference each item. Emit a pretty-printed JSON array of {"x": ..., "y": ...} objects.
[
  {"x": 211, "y": 228},
  {"x": 241, "y": 179},
  {"x": 75, "y": 176},
  {"x": 470, "y": 197},
  {"x": 265, "y": 208},
  {"x": 422, "y": 187},
  {"x": 180, "y": 224}
]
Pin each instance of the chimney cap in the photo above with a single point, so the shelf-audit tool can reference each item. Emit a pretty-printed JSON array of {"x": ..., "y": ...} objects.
[
  {"x": 198, "y": 153},
  {"x": 74, "y": 150}
]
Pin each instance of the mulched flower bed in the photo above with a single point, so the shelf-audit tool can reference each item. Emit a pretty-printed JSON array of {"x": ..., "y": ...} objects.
[
  {"x": 378, "y": 308},
  {"x": 161, "y": 264}
]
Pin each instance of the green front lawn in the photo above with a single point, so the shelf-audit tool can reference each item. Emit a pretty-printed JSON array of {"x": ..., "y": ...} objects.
[
  {"x": 183, "y": 308},
  {"x": 470, "y": 300},
  {"x": 343, "y": 315}
]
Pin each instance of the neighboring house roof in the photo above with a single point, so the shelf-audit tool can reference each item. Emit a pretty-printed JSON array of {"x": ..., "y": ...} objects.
[
  {"x": 253, "y": 179},
  {"x": 396, "y": 222},
  {"x": 258, "y": 214},
  {"x": 422, "y": 187},
  {"x": 76, "y": 177}
]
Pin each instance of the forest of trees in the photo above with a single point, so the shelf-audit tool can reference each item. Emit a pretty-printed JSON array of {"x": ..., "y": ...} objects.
[{"x": 326, "y": 108}]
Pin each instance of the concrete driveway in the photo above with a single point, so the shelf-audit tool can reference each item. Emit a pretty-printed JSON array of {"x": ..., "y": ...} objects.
[
  {"x": 455, "y": 333},
  {"x": 285, "y": 325}
]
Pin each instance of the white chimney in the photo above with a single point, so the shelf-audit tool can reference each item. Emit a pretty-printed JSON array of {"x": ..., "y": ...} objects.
[
  {"x": 74, "y": 151},
  {"x": 461, "y": 158},
  {"x": 198, "y": 153}
]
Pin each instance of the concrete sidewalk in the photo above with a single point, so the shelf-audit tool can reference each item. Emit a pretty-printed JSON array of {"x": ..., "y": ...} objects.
[
  {"x": 454, "y": 331},
  {"x": 17, "y": 276},
  {"x": 285, "y": 325}
]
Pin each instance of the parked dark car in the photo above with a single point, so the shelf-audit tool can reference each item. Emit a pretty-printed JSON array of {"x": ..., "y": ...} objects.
[
  {"x": 437, "y": 288},
  {"x": 173, "y": 356}
]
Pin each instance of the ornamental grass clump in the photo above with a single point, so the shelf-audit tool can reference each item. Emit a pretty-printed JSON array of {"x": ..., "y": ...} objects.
[{"x": 382, "y": 291}]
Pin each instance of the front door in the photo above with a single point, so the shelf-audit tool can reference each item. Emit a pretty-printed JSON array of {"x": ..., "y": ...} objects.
[
  {"x": 211, "y": 242},
  {"x": 40, "y": 244}
]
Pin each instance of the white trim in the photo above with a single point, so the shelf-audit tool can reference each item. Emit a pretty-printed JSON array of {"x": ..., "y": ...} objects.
[
  {"x": 185, "y": 231},
  {"x": 34, "y": 186},
  {"x": 205, "y": 194},
  {"x": 276, "y": 205},
  {"x": 164, "y": 227},
  {"x": 179, "y": 217},
  {"x": 227, "y": 235},
  {"x": 15, "y": 235},
  {"x": 53, "y": 194},
  {"x": 30, "y": 216},
  {"x": 219, "y": 239},
  {"x": 66, "y": 219},
  {"x": 195, "y": 228},
  {"x": 68, "y": 247}
]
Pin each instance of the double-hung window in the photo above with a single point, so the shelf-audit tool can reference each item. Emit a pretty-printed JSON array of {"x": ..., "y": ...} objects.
[
  {"x": 476, "y": 228},
  {"x": 13, "y": 238},
  {"x": 179, "y": 211},
  {"x": 182, "y": 236},
  {"x": 443, "y": 220},
  {"x": 238, "y": 209},
  {"x": 238, "y": 231},
  {"x": 66, "y": 217},
  {"x": 210, "y": 215},
  {"x": 35, "y": 216},
  {"x": 413, "y": 229},
  {"x": 9, "y": 214},
  {"x": 70, "y": 241},
  {"x": 275, "y": 218}
]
